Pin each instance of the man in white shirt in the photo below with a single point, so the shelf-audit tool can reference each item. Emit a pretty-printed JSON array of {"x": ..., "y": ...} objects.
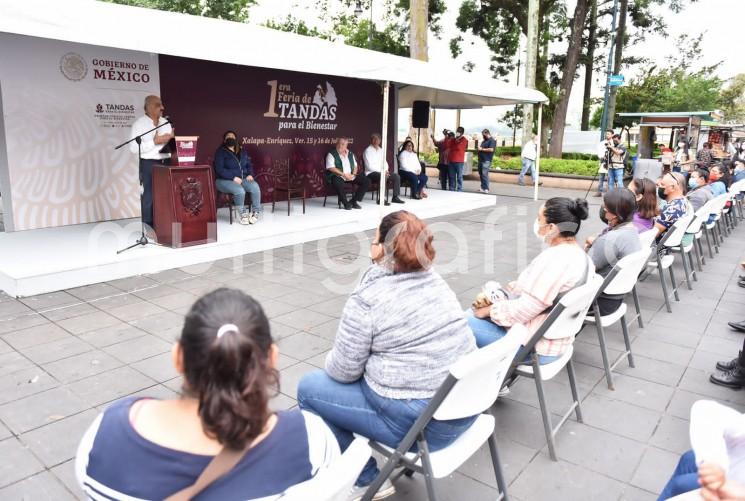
[
  {"x": 374, "y": 156},
  {"x": 149, "y": 150},
  {"x": 528, "y": 155},
  {"x": 341, "y": 168}
]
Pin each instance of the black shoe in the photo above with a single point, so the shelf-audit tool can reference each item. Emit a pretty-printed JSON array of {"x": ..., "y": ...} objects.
[
  {"x": 386, "y": 203},
  {"x": 728, "y": 366},
  {"x": 738, "y": 326},
  {"x": 416, "y": 197},
  {"x": 347, "y": 205},
  {"x": 741, "y": 283},
  {"x": 734, "y": 378},
  {"x": 355, "y": 205},
  {"x": 397, "y": 200}
]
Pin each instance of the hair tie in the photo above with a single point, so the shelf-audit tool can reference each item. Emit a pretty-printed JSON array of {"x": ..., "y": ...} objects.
[{"x": 227, "y": 328}]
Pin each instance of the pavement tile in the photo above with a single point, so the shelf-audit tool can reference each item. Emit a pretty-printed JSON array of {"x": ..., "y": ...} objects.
[
  {"x": 672, "y": 434},
  {"x": 656, "y": 371},
  {"x": 57, "y": 442},
  {"x": 41, "y": 486},
  {"x": 43, "y": 408},
  {"x": 109, "y": 386},
  {"x": 55, "y": 350},
  {"x": 80, "y": 366},
  {"x": 22, "y": 465},
  {"x": 303, "y": 345},
  {"x": 48, "y": 301},
  {"x": 138, "y": 348},
  {"x": 88, "y": 322},
  {"x": 637, "y": 391},
  {"x": 302, "y": 319},
  {"x": 662, "y": 351},
  {"x": 638, "y": 423},
  {"x": 94, "y": 291},
  {"x": 290, "y": 377},
  {"x": 13, "y": 361},
  {"x": 111, "y": 335},
  {"x": 71, "y": 311},
  {"x": 32, "y": 336},
  {"x": 65, "y": 473},
  {"x": 159, "y": 368},
  {"x": 22, "y": 322},
  {"x": 655, "y": 469},
  {"x": 134, "y": 311},
  {"x": 25, "y": 382}
]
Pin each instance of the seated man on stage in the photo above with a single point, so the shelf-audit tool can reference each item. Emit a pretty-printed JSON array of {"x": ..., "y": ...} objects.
[
  {"x": 234, "y": 175},
  {"x": 373, "y": 157},
  {"x": 410, "y": 168},
  {"x": 341, "y": 168}
]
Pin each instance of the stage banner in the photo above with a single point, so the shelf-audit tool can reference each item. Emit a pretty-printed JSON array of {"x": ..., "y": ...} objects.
[
  {"x": 65, "y": 107},
  {"x": 279, "y": 116}
]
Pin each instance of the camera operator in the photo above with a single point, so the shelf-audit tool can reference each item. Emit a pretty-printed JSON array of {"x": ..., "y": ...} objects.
[
  {"x": 603, "y": 158},
  {"x": 616, "y": 153}
]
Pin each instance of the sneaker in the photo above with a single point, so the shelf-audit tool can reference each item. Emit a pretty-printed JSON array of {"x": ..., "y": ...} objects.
[
  {"x": 253, "y": 218},
  {"x": 504, "y": 391},
  {"x": 245, "y": 219},
  {"x": 521, "y": 183},
  {"x": 386, "y": 490}
]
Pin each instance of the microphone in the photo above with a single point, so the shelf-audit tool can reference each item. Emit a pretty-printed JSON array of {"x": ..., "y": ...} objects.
[{"x": 168, "y": 120}]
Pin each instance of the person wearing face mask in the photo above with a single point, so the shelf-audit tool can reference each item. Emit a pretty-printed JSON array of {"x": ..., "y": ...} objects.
[
  {"x": 699, "y": 191},
  {"x": 486, "y": 154},
  {"x": 739, "y": 174},
  {"x": 616, "y": 241},
  {"x": 558, "y": 268},
  {"x": 458, "y": 146},
  {"x": 683, "y": 160},
  {"x": 717, "y": 181},
  {"x": 399, "y": 333},
  {"x": 234, "y": 175},
  {"x": 671, "y": 189},
  {"x": 645, "y": 193},
  {"x": 410, "y": 169}
]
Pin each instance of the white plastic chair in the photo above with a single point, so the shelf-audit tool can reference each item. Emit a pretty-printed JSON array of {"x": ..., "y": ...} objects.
[
  {"x": 696, "y": 229},
  {"x": 646, "y": 238},
  {"x": 716, "y": 226},
  {"x": 470, "y": 389},
  {"x": 334, "y": 482},
  {"x": 620, "y": 281},
  {"x": 565, "y": 319},
  {"x": 671, "y": 239}
]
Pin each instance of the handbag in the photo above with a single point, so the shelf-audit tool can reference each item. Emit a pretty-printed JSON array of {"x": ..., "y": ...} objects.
[{"x": 220, "y": 466}]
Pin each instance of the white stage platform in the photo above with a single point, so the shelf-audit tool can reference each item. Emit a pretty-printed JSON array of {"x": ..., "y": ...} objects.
[{"x": 38, "y": 261}]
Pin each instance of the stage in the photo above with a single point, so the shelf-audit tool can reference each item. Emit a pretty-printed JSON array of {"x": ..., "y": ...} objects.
[{"x": 53, "y": 259}]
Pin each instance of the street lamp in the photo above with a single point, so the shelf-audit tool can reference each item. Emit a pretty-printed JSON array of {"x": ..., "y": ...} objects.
[{"x": 358, "y": 13}]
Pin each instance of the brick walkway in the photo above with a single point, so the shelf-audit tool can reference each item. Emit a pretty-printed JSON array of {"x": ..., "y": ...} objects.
[{"x": 65, "y": 356}]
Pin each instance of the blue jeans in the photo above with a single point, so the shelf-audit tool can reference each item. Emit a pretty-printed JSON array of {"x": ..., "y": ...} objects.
[
  {"x": 684, "y": 479},
  {"x": 601, "y": 181},
  {"x": 417, "y": 182},
  {"x": 615, "y": 178},
  {"x": 486, "y": 332},
  {"x": 349, "y": 408},
  {"x": 484, "y": 173},
  {"x": 455, "y": 176},
  {"x": 528, "y": 165},
  {"x": 239, "y": 192}
]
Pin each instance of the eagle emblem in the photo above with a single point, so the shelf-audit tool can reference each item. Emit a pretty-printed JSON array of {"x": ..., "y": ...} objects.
[{"x": 192, "y": 198}]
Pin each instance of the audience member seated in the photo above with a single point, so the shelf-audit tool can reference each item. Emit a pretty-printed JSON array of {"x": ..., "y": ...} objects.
[
  {"x": 716, "y": 462},
  {"x": 645, "y": 193},
  {"x": 717, "y": 181},
  {"x": 671, "y": 189},
  {"x": 400, "y": 331},
  {"x": 411, "y": 170},
  {"x": 739, "y": 171},
  {"x": 373, "y": 157},
  {"x": 616, "y": 241},
  {"x": 341, "y": 168},
  {"x": 556, "y": 270},
  {"x": 699, "y": 189},
  {"x": 234, "y": 175},
  {"x": 145, "y": 448}
]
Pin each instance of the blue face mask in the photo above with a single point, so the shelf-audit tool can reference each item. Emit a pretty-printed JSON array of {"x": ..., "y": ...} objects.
[{"x": 692, "y": 183}]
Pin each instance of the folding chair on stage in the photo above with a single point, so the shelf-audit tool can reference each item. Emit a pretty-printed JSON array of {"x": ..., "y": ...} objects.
[
  {"x": 619, "y": 282},
  {"x": 566, "y": 318},
  {"x": 470, "y": 389},
  {"x": 672, "y": 238}
]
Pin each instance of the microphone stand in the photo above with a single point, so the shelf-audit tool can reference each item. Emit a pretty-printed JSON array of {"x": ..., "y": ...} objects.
[{"x": 143, "y": 240}]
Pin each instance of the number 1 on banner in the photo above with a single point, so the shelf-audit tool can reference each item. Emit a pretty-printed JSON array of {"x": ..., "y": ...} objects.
[{"x": 271, "y": 113}]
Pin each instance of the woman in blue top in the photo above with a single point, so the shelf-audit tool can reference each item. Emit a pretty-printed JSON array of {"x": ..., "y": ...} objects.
[
  {"x": 144, "y": 448},
  {"x": 234, "y": 175}
]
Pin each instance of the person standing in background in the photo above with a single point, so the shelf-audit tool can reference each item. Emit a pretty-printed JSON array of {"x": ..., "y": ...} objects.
[
  {"x": 528, "y": 155},
  {"x": 149, "y": 150},
  {"x": 486, "y": 154},
  {"x": 604, "y": 161},
  {"x": 457, "y": 158},
  {"x": 617, "y": 153},
  {"x": 443, "y": 151}
]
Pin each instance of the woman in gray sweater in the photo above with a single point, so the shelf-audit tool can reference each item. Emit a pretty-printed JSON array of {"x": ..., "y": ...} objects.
[{"x": 400, "y": 331}]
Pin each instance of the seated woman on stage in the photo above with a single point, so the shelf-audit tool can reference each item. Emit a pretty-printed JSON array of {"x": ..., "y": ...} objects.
[
  {"x": 400, "y": 331},
  {"x": 146, "y": 448},
  {"x": 527, "y": 301},
  {"x": 234, "y": 175},
  {"x": 645, "y": 192},
  {"x": 411, "y": 170}
]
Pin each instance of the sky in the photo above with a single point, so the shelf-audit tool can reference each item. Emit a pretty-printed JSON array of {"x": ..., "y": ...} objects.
[{"x": 720, "y": 20}]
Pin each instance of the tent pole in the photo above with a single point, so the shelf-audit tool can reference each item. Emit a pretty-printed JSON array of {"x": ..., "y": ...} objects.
[
  {"x": 538, "y": 154},
  {"x": 384, "y": 146}
]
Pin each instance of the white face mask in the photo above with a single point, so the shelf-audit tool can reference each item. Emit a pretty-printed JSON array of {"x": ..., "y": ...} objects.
[
  {"x": 681, "y": 145},
  {"x": 536, "y": 228},
  {"x": 458, "y": 134}
]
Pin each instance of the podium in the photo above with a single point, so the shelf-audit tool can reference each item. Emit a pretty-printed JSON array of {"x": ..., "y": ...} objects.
[{"x": 184, "y": 205}]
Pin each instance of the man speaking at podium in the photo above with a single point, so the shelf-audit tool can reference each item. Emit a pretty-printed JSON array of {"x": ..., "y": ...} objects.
[{"x": 149, "y": 150}]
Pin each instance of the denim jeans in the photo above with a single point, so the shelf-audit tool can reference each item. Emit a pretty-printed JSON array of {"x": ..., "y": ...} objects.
[
  {"x": 349, "y": 408},
  {"x": 601, "y": 181},
  {"x": 615, "y": 178},
  {"x": 684, "y": 479},
  {"x": 455, "y": 176},
  {"x": 486, "y": 332},
  {"x": 484, "y": 173},
  {"x": 239, "y": 192},
  {"x": 417, "y": 181},
  {"x": 528, "y": 165}
]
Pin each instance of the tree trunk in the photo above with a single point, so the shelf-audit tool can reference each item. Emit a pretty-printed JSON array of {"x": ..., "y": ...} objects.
[
  {"x": 530, "y": 66},
  {"x": 617, "y": 56},
  {"x": 589, "y": 66},
  {"x": 567, "y": 79},
  {"x": 418, "y": 30}
]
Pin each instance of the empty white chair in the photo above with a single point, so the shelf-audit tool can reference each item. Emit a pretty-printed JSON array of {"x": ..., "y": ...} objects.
[
  {"x": 646, "y": 239},
  {"x": 672, "y": 238},
  {"x": 695, "y": 229},
  {"x": 470, "y": 389}
]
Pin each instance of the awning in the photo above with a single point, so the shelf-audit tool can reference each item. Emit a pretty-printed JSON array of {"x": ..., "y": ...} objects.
[{"x": 111, "y": 25}]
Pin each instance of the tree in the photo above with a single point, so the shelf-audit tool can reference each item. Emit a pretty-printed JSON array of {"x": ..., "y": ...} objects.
[
  {"x": 232, "y": 10},
  {"x": 569, "y": 71},
  {"x": 589, "y": 62},
  {"x": 733, "y": 100}
]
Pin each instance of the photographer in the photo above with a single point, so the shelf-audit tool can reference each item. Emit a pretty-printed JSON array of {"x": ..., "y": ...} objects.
[
  {"x": 443, "y": 161},
  {"x": 603, "y": 159},
  {"x": 616, "y": 153}
]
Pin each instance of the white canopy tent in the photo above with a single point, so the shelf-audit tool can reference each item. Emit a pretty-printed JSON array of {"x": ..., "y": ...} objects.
[{"x": 132, "y": 28}]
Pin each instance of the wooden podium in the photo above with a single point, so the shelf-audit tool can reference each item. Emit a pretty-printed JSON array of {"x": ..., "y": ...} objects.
[{"x": 184, "y": 205}]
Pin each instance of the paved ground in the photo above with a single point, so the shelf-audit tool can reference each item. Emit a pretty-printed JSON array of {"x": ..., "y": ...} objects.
[{"x": 65, "y": 356}]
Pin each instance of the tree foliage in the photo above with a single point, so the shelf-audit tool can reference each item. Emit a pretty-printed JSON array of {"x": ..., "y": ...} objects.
[
  {"x": 232, "y": 10},
  {"x": 733, "y": 100}
]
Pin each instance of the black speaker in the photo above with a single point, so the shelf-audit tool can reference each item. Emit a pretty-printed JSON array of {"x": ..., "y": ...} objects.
[{"x": 420, "y": 115}]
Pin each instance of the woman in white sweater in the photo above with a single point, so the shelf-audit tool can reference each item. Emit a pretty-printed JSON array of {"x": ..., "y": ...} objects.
[{"x": 411, "y": 170}]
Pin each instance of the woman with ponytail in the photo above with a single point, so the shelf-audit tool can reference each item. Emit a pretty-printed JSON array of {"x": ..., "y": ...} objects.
[
  {"x": 144, "y": 448},
  {"x": 558, "y": 268}
]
